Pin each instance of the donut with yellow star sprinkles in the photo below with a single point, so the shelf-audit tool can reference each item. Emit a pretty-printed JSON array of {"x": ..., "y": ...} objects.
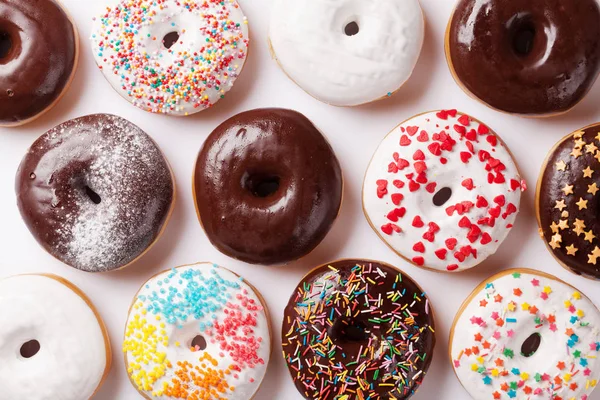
[
  {"x": 443, "y": 191},
  {"x": 197, "y": 332},
  {"x": 358, "y": 329},
  {"x": 524, "y": 334},
  {"x": 567, "y": 202},
  {"x": 174, "y": 57}
]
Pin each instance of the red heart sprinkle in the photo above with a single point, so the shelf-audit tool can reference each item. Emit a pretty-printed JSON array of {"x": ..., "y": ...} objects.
[
  {"x": 481, "y": 202},
  {"x": 464, "y": 223},
  {"x": 460, "y": 129},
  {"x": 441, "y": 253},
  {"x": 405, "y": 141},
  {"x": 485, "y": 238},
  {"x": 459, "y": 256},
  {"x": 398, "y": 183},
  {"x": 418, "y": 155},
  {"x": 471, "y": 135},
  {"x": 442, "y": 115},
  {"x": 422, "y": 178},
  {"x": 413, "y": 186},
  {"x": 443, "y": 160},
  {"x": 495, "y": 212},
  {"x": 433, "y": 227},
  {"x": 464, "y": 156},
  {"x": 420, "y": 166},
  {"x": 397, "y": 198},
  {"x": 423, "y": 137},
  {"x": 483, "y": 155},
  {"x": 451, "y": 113},
  {"x": 420, "y": 261},
  {"x": 483, "y": 130},
  {"x": 429, "y": 236},
  {"x": 411, "y": 130},
  {"x": 418, "y": 222},
  {"x": 515, "y": 184},
  {"x": 464, "y": 119},
  {"x": 419, "y": 247},
  {"x": 451, "y": 243},
  {"x": 431, "y": 187},
  {"x": 492, "y": 139},
  {"x": 500, "y": 200},
  {"x": 452, "y": 267},
  {"x": 468, "y": 184},
  {"x": 435, "y": 149}
]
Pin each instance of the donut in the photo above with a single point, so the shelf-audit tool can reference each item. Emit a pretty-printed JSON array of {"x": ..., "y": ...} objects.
[
  {"x": 171, "y": 56},
  {"x": 442, "y": 191},
  {"x": 358, "y": 329},
  {"x": 525, "y": 334},
  {"x": 567, "y": 203},
  {"x": 39, "y": 51},
  {"x": 347, "y": 53},
  {"x": 54, "y": 344},
  {"x": 197, "y": 332},
  {"x": 267, "y": 186},
  {"x": 95, "y": 192},
  {"x": 534, "y": 58}
]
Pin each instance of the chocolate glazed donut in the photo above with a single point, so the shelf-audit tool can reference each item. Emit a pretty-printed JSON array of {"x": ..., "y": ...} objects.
[
  {"x": 358, "y": 328},
  {"x": 531, "y": 57},
  {"x": 38, "y": 57},
  {"x": 267, "y": 186},
  {"x": 96, "y": 192},
  {"x": 568, "y": 202}
]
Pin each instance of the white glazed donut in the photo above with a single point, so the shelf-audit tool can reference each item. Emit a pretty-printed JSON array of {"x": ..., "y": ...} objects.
[
  {"x": 53, "y": 345},
  {"x": 347, "y": 52},
  {"x": 171, "y": 56},
  {"x": 523, "y": 334},
  {"x": 197, "y": 332},
  {"x": 442, "y": 191}
]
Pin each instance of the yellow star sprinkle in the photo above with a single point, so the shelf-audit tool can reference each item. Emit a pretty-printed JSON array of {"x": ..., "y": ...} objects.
[
  {"x": 554, "y": 227},
  {"x": 593, "y": 189},
  {"x": 555, "y": 242},
  {"x": 547, "y": 289},
  {"x": 577, "y": 295},
  {"x": 563, "y": 224},
  {"x": 598, "y": 136},
  {"x": 579, "y": 143},
  {"x": 591, "y": 148},
  {"x": 588, "y": 172},
  {"x": 565, "y": 214},
  {"x": 571, "y": 250},
  {"x": 578, "y": 134},
  {"x": 597, "y": 156},
  {"x": 582, "y": 204},
  {"x": 589, "y": 236},
  {"x": 580, "y": 313},
  {"x": 576, "y": 152},
  {"x": 511, "y": 306},
  {"x": 567, "y": 190},
  {"x": 579, "y": 226},
  {"x": 560, "y": 205},
  {"x": 593, "y": 256},
  {"x": 561, "y": 166}
]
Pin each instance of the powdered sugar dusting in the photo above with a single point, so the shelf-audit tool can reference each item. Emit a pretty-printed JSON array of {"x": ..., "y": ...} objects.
[{"x": 111, "y": 191}]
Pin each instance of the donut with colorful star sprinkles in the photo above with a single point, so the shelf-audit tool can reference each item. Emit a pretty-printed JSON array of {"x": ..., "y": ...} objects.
[
  {"x": 524, "y": 334},
  {"x": 358, "y": 329},
  {"x": 442, "y": 191},
  {"x": 567, "y": 202},
  {"x": 174, "y": 57},
  {"x": 197, "y": 332}
]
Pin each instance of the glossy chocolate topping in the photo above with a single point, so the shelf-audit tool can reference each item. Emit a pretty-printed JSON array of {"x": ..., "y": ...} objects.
[
  {"x": 358, "y": 320},
  {"x": 268, "y": 186},
  {"x": 531, "y": 57},
  {"x": 95, "y": 192},
  {"x": 38, "y": 44},
  {"x": 569, "y": 202}
]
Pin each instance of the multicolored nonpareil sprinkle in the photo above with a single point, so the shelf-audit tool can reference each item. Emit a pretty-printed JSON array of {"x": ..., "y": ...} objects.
[
  {"x": 175, "y": 57},
  {"x": 358, "y": 330},
  {"x": 197, "y": 332},
  {"x": 524, "y": 335}
]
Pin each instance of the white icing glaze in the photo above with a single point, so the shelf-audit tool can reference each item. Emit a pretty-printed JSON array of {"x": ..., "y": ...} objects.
[
  {"x": 194, "y": 73},
  {"x": 71, "y": 360},
  {"x": 310, "y": 43},
  {"x": 565, "y": 366},
  {"x": 209, "y": 301},
  {"x": 420, "y": 157}
]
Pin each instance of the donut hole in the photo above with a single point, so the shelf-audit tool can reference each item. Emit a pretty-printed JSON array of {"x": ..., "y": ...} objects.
[
  {"x": 198, "y": 343},
  {"x": 93, "y": 196},
  {"x": 349, "y": 330},
  {"x": 531, "y": 344},
  {"x": 442, "y": 196},
  {"x": 6, "y": 44},
  {"x": 261, "y": 184},
  {"x": 30, "y": 349},
  {"x": 170, "y": 39},
  {"x": 351, "y": 28},
  {"x": 522, "y": 33}
]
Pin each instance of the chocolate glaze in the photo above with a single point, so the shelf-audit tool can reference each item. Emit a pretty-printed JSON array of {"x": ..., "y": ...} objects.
[
  {"x": 531, "y": 57},
  {"x": 321, "y": 343},
  {"x": 40, "y": 45},
  {"x": 268, "y": 186},
  {"x": 552, "y": 182},
  {"x": 95, "y": 192}
]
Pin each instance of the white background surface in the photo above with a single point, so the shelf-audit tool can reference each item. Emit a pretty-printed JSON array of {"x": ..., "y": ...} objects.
[{"x": 354, "y": 134}]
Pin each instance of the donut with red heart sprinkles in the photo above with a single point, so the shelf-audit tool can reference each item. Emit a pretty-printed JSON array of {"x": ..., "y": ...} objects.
[{"x": 443, "y": 191}]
